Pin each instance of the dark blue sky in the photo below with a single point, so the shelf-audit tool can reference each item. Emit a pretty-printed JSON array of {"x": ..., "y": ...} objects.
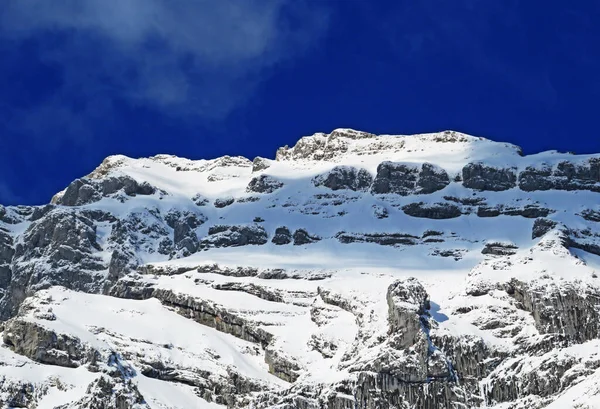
[{"x": 80, "y": 80}]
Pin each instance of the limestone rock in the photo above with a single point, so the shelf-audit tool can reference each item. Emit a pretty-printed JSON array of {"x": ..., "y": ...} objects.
[
  {"x": 263, "y": 184},
  {"x": 259, "y": 164},
  {"x": 564, "y": 176},
  {"x": 282, "y": 236},
  {"x": 85, "y": 190},
  {"x": 481, "y": 177},
  {"x": 432, "y": 211},
  {"x": 234, "y": 236},
  {"x": 301, "y": 236},
  {"x": 407, "y": 179},
  {"x": 344, "y": 177}
]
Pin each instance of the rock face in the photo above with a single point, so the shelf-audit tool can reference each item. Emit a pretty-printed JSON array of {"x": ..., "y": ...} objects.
[
  {"x": 384, "y": 239},
  {"x": 405, "y": 179},
  {"x": 432, "y": 211},
  {"x": 106, "y": 393},
  {"x": 223, "y": 202},
  {"x": 85, "y": 190},
  {"x": 264, "y": 184},
  {"x": 564, "y": 176},
  {"x": 57, "y": 249},
  {"x": 542, "y": 226},
  {"x": 301, "y": 237},
  {"x": 568, "y": 310},
  {"x": 45, "y": 346},
  {"x": 234, "y": 236},
  {"x": 184, "y": 225},
  {"x": 499, "y": 248},
  {"x": 282, "y": 236},
  {"x": 345, "y": 177},
  {"x": 259, "y": 164},
  {"x": 481, "y": 177}
]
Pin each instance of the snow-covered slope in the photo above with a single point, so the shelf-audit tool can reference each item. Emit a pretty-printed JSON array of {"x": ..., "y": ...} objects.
[{"x": 350, "y": 271}]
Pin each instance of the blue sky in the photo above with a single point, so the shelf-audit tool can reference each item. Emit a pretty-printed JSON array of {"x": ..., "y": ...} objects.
[{"x": 81, "y": 80}]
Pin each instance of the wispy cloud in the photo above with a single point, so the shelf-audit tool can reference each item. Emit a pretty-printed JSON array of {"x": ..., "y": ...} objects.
[{"x": 183, "y": 57}]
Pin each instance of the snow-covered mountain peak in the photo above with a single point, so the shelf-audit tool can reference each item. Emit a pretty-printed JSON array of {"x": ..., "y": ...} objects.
[
  {"x": 345, "y": 143},
  {"x": 352, "y": 270}
]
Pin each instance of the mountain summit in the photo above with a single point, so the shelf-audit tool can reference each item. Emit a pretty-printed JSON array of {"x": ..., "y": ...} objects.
[{"x": 352, "y": 270}]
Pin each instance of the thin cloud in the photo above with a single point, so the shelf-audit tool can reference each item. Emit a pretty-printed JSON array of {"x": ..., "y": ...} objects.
[{"x": 184, "y": 57}]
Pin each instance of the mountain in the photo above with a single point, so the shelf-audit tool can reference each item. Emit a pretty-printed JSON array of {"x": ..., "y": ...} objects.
[{"x": 351, "y": 271}]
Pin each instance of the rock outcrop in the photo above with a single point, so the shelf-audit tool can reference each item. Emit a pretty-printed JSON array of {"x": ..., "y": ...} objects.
[
  {"x": 282, "y": 236},
  {"x": 478, "y": 176},
  {"x": 234, "y": 236},
  {"x": 564, "y": 176},
  {"x": 408, "y": 179},
  {"x": 344, "y": 177},
  {"x": 263, "y": 184},
  {"x": 432, "y": 210},
  {"x": 86, "y": 190}
]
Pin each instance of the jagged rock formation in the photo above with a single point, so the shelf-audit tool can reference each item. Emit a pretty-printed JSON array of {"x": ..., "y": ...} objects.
[{"x": 352, "y": 271}]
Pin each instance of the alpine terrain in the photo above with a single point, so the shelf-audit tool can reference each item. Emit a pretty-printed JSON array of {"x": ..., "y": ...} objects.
[{"x": 351, "y": 271}]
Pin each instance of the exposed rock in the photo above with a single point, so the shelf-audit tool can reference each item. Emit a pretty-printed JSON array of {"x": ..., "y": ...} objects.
[
  {"x": 108, "y": 393},
  {"x": 542, "y": 226},
  {"x": 564, "y": 176},
  {"x": 234, "y": 236},
  {"x": 263, "y": 184},
  {"x": 384, "y": 239},
  {"x": 498, "y": 248},
  {"x": 40, "y": 212},
  {"x": 380, "y": 212},
  {"x": 407, "y": 179},
  {"x": 591, "y": 215},
  {"x": 568, "y": 309},
  {"x": 259, "y": 164},
  {"x": 533, "y": 376},
  {"x": 259, "y": 291},
  {"x": 281, "y": 366},
  {"x": 344, "y": 177},
  {"x": 528, "y": 211},
  {"x": 466, "y": 201},
  {"x": 432, "y": 211},
  {"x": 301, "y": 236},
  {"x": 184, "y": 225},
  {"x": 456, "y": 254},
  {"x": 407, "y": 301},
  {"x": 200, "y": 200},
  {"x": 57, "y": 249},
  {"x": 321, "y": 146},
  {"x": 223, "y": 202},
  {"x": 481, "y": 177},
  {"x": 282, "y": 236},
  {"x": 143, "y": 231},
  {"x": 46, "y": 346},
  {"x": 212, "y": 315},
  {"x": 83, "y": 191}
]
